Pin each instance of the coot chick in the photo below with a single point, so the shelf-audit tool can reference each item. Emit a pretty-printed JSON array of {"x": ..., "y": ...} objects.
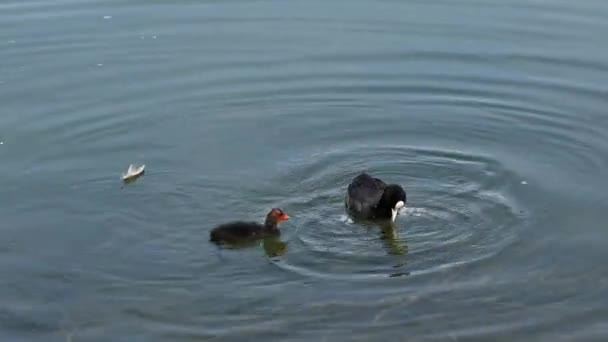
[
  {"x": 241, "y": 231},
  {"x": 370, "y": 198}
]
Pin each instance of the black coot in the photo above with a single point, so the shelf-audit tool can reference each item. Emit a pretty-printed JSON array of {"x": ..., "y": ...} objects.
[
  {"x": 240, "y": 231},
  {"x": 370, "y": 198}
]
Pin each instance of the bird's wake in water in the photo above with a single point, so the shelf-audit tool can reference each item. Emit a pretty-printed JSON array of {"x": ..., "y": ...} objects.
[
  {"x": 405, "y": 211},
  {"x": 412, "y": 211}
]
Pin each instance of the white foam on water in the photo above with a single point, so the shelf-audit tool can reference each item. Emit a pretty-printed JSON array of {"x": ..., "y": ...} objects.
[
  {"x": 107, "y": 17},
  {"x": 346, "y": 219},
  {"x": 412, "y": 211},
  {"x": 405, "y": 211}
]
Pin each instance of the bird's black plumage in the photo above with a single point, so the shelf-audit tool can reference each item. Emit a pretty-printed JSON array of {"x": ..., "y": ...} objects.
[{"x": 371, "y": 198}]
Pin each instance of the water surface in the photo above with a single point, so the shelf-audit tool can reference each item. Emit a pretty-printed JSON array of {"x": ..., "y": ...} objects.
[{"x": 492, "y": 114}]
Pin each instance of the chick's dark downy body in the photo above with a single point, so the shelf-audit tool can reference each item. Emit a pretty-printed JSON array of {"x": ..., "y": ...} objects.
[{"x": 242, "y": 231}]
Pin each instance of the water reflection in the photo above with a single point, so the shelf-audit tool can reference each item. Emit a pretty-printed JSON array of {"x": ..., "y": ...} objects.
[
  {"x": 393, "y": 244},
  {"x": 390, "y": 235},
  {"x": 274, "y": 247}
]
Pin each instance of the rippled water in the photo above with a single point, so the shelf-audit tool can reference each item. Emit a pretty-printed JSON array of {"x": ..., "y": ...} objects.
[{"x": 492, "y": 114}]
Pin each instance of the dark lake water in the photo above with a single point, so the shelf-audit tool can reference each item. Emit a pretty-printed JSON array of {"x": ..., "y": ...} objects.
[{"x": 492, "y": 114}]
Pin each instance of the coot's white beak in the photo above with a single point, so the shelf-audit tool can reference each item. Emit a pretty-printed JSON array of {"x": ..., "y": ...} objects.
[{"x": 395, "y": 210}]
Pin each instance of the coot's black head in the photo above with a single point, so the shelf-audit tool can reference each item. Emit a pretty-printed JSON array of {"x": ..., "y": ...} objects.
[
  {"x": 276, "y": 216},
  {"x": 394, "y": 198}
]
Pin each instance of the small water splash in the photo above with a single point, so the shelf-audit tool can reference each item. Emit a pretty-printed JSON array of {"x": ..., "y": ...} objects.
[
  {"x": 412, "y": 211},
  {"x": 346, "y": 219}
]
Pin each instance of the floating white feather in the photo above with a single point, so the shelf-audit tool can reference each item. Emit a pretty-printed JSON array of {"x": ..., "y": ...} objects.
[{"x": 133, "y": 172}]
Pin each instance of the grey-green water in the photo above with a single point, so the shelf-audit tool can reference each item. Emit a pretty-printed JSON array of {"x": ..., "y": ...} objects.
[{"x": 492, "y": 114}]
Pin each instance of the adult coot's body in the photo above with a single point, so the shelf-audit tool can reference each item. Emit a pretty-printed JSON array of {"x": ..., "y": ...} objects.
[
  {"x": 241, "y": 231},
  {"x": 370, "y": 198}
]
